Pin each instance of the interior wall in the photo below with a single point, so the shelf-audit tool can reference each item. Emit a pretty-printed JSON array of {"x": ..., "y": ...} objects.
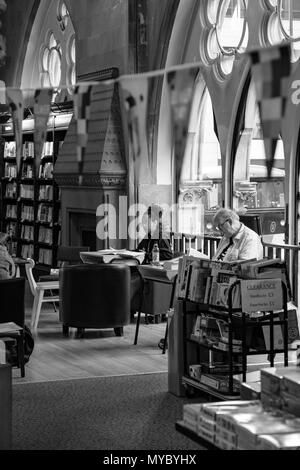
[
  {"x": 101, "y": 34},
  {"x": 17, "y": 23}
]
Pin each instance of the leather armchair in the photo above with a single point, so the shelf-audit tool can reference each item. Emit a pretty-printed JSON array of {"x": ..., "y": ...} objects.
[{"x": 94, "y": 296}]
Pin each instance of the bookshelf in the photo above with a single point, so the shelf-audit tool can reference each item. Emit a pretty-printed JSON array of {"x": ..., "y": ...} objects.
[
  {"x": 29, "y": 199},
  {"x": 217, "y": 333}
]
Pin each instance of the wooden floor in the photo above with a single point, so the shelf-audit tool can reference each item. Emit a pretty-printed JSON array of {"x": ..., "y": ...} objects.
[{"x": 99, "y": 353}]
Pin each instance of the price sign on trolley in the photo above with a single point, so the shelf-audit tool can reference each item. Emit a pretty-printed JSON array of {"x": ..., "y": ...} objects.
[{"x": 261, "y": 295}]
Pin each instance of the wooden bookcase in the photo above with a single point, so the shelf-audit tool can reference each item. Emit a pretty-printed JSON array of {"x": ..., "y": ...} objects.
[{"x": 29, "y": 199}]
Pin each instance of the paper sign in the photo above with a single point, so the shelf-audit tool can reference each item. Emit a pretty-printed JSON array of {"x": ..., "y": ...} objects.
[{"x": 261, "y": 295}]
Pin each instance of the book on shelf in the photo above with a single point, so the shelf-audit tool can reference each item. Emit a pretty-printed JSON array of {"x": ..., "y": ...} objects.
[
  {"x": 28, "y": 150},
  {"x": 11, "y": 228},
  {"x": 220, "y": 382},
  {"x": 220, "y": 368},
  {"x": 185, "y": 272},
  {"x": 27, "y": 170},
  {"x": 10, "y": 170},
  {"x": 219, "y": 289},
  {"x": 11, "y": 211},
  {"x": 45, "y": 235},
  {"x": 224, "y": 333},
  {"x": 224, "y": 346},
  {"x": 46, "y": 192},
  {"x": 11, "y": 190},
  {"x": 27, "y": 191},
  {"x": 27, "y": 251},
  {"x": 10, "y": 149},
  {"x": 47, "y": 149},
  {"x": 45, "y": 256},
  {"x": 205, "y": 330},
  {"x": 207, "y": 289},
  {"x": 27, "y": 232},
  {"x": 45, "y": 213},
  {"x": 27, "y": 213},
  {"x": 198, "y": 279},
  {"x": 46, "y": 171}
]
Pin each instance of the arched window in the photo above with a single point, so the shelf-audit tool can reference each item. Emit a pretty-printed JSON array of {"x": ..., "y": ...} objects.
[
  {"x": 252, "y": 190},
  {"x": 200, "y": 187},
  {"x": 284, "y": 24},
  {"x": 55, "y": 64},
  {"x": 225, "y": 34}
]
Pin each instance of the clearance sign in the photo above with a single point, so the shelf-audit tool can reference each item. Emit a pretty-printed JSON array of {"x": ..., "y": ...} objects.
[{"x": 261, "y": 295}]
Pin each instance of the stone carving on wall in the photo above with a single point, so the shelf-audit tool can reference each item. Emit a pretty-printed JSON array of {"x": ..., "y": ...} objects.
[{"x": 93, "y": 181}]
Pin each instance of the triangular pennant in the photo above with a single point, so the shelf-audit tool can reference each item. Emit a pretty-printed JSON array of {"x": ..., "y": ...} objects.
[
  {"x": 270, "y": 70},
  {"x": 135, "y": 102},
  {"x": 15, "y": 102},
  {"x": 181, "y": 87},
  {"x": 82, "y": 105},
  {"x": 41, "y": 110}
]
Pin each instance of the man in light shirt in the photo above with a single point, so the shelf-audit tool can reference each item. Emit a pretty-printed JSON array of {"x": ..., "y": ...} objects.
[{"x": 238, "y": 242}]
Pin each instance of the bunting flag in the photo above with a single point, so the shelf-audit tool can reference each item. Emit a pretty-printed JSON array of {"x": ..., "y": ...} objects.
[
  {"x": 135, "y": 103},
  {"x": 41, "y": 111},
  {"x": 82, "y": 110},
  {"x": 181, "y": 88},
  {"x": 15, "y": 101},
  {"x": 270, "y": 70}
]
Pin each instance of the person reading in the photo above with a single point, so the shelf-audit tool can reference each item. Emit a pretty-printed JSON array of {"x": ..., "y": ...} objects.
[
  {"x": 238, "y": 241},
  {"x": 152, "y": 223}
]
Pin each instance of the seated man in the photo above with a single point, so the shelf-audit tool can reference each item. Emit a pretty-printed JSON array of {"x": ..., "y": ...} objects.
[{"x": 238, "y": 242}]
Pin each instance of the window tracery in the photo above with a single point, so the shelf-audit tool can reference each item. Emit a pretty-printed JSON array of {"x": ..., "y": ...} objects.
[
  {"x": 225, "y": 33},
  {"x": 58, "y": 58}
]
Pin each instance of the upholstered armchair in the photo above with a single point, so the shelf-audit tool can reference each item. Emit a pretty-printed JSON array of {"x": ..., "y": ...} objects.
[{"x": 94, "y": 296}]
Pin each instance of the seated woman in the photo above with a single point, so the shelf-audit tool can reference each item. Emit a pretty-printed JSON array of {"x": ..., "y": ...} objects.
[
  {"x": 156, "y": 233},
  {"x": 152, "y": 222},
  {"x": 7, "y": 265}
]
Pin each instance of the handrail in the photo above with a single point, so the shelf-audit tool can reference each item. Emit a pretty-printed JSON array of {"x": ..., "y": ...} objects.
[{"x": 283, "y": 246}]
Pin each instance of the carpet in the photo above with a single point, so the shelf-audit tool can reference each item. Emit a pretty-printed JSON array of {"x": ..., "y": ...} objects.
[{"x": 133, "y": 412}]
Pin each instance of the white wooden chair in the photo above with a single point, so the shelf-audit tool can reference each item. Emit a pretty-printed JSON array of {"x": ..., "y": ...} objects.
[{"x": 41, "y": 291}]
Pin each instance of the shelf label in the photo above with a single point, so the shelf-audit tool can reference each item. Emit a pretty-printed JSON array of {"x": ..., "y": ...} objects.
[{"x": 261, "y": 295}]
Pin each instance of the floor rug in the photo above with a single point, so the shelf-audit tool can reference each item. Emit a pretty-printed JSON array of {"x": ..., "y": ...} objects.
[{"x": 132, "y": 412}]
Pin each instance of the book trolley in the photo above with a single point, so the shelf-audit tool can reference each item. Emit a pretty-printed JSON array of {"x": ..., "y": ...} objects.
[
  {"x": 217, "y": 368},
  {"x": 211, "y": 366}
]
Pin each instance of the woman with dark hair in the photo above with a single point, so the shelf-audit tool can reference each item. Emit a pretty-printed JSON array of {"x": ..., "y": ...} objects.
[
  {"x": 155, "y": 235},
  {"x": 7, "y": 265}
]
